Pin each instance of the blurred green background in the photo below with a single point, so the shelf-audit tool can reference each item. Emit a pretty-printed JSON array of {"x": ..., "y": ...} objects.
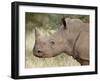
[{"x": 49, "y": 21}]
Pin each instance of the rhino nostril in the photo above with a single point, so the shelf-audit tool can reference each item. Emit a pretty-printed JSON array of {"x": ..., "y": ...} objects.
[{"x": 39, "y": 51}]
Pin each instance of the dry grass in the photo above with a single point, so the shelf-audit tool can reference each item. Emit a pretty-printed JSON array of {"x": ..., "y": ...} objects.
[{"x": 34, "y": 62}]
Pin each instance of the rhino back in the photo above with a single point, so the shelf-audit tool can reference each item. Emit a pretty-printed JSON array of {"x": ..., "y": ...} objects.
[{"x": 77, "y": 25}]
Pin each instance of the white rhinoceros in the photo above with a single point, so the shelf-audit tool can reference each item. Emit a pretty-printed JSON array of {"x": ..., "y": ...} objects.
[{"x": 71, "y": 38}]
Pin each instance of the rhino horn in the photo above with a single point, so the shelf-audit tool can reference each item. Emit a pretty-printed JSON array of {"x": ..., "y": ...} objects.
[{"x": 37, "y": 34}]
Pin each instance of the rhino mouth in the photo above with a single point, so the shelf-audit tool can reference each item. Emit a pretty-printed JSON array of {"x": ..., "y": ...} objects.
[{"x": 39, "y": 56}]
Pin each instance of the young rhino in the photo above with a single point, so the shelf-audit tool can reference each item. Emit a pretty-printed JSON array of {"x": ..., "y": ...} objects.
[{"x": 72, "y": 38}]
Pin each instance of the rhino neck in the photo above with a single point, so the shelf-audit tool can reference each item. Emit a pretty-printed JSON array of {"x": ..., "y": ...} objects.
[{"x": 71, "y": 40}]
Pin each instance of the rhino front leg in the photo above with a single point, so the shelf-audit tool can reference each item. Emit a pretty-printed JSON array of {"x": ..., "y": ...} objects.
[
  {"x": 82, "y": 48},
  {"x": 83, "y": 62}
]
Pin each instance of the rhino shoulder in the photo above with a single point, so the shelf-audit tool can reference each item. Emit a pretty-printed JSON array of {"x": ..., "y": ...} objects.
[
  {"x": 82, "y": 45},
  {"x": 85, "y": 27}
]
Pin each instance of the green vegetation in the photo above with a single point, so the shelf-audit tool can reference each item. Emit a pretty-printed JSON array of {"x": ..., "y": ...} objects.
[{"x": 48, "y": 21}]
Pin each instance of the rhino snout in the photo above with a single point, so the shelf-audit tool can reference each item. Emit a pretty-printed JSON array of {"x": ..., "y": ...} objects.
[{"x": 38, "y": 53}]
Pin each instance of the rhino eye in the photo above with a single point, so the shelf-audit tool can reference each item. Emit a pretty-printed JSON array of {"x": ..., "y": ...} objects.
[{"x": 52, "y": 42}]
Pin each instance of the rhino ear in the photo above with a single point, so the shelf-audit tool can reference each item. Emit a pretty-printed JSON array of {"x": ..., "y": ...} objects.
[{"x": 65, "y": 22}]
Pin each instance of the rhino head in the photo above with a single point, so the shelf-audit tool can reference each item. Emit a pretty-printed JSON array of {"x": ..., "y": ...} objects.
[{"x": 56, "y": 43}]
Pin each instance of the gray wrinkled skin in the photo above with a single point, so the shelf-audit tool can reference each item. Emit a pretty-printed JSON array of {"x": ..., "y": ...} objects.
[{"x": 72, "y": 38}]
